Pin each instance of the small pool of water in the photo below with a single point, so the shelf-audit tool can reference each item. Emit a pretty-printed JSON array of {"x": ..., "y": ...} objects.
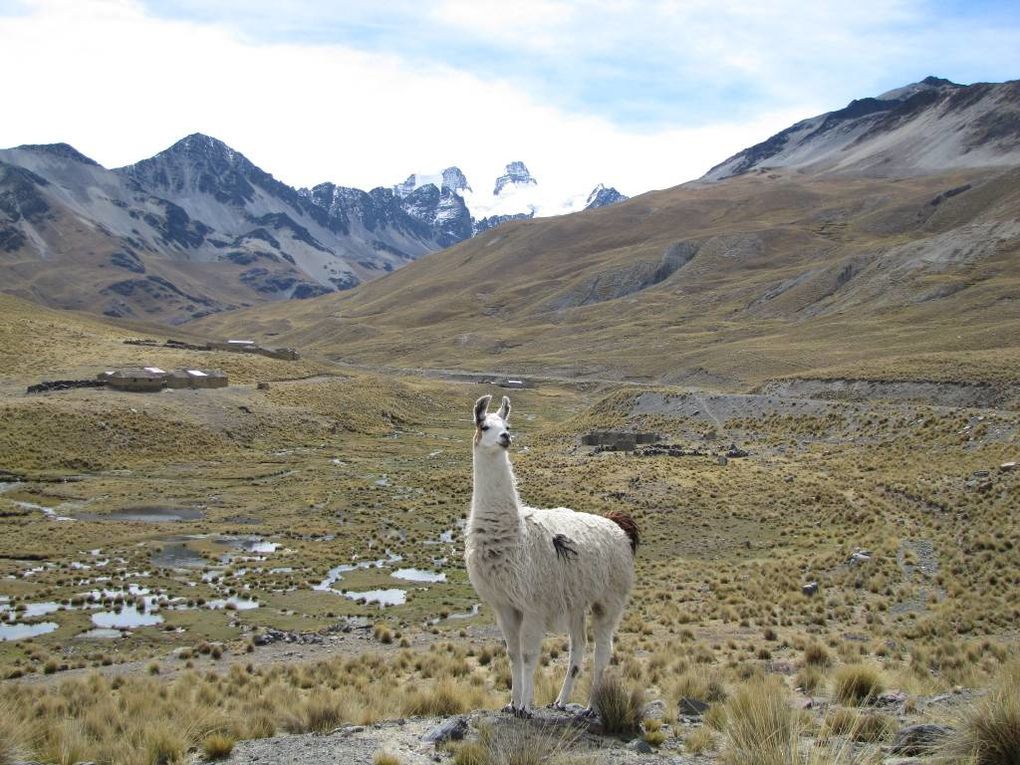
[
  {"x": 178, "y": 555},
  {"x": 147, "y": 514},
  {"x": 17, "y": 631},
  {"x": 390, "y": 597},
  {"x": 418, "y": 575},
  {"x": 129, "y": 617},
  {"x": 49, "y": 512},
  {"x": 236, "y": 603},
  {"x": 33, "y": 610},
  {"x": 336, "y": 573},
  {"x": 101, "y": 633}
]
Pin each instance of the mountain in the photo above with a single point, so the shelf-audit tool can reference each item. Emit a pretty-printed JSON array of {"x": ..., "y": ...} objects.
[
  {"x": 731, "y": 281},
  {"x": 516, "y": 196},
  {"x": 516, "y": 175},
  {"x": 199, "y": 228},
  {"x": 928, "y": 126},
  {"x": 603, "y": 197}
]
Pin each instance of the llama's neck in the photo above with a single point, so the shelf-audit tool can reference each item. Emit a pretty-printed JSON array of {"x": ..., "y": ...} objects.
[{"x": 494, "y": 500}]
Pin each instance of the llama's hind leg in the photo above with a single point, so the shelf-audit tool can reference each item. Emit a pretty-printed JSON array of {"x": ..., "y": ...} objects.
[
  {"x": 603, "y": 626},
  {"x": 578, "y": 643},
  {"x": 509, "y": 619}
]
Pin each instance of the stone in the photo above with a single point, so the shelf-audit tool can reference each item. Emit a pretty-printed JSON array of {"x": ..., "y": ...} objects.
[
  {"x": 654, "y": 710},
  {"x": 1006, "y": 467},
  {"x": 859, "y": 557},
  {"x": 640, "y": 746},
  {"x": 891, "y": 699},
  {"x": 453, "y": 729},
  {"x": 810, "y": 588},
  {"x": 919, "y": 739},
  {"x": 692, "y": 707}
]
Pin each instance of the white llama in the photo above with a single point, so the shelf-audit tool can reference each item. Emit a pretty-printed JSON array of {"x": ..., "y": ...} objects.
[{"x": 542, "y": 570}]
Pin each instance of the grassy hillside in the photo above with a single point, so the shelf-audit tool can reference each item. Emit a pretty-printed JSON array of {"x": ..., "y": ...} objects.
[{"x": 726, "y": 284}]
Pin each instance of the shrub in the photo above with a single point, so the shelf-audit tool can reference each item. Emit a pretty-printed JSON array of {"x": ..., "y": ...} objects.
[
  {"x": 857, "y": 684},
  {"x": 761, "y": 727},
  {"x": 620, "y": 710},
  {"x": 385, "y": 758}
]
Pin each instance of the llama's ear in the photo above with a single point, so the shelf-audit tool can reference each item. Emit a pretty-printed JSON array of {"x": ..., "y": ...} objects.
[
  {"x": 504, "y": 410},
  {"x": 481, "y": 407}
]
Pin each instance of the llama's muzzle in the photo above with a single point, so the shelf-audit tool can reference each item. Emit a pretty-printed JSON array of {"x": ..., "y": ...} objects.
[{"x": 505, "y": 440}]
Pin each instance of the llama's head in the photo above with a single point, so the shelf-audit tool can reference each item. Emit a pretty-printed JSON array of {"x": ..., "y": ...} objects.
[{"x": 492, "y": 430}]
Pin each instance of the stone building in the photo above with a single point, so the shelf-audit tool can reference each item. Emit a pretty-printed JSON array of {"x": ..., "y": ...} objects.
[{"x": 140, "y": 380}]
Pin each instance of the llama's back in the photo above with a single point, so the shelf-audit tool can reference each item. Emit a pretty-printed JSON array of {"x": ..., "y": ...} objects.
[{"x": 577, "y": 560}]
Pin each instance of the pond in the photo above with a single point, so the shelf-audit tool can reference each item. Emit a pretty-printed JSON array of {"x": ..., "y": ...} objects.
[
  {"x": 390, "y": 597},
  {"x": 16, "y": 631},
  {"x": 101, "y": 633},
  {"x": 147, "y": 514},
  {"x": 418, "y": 575},
  {"x": 233, "y": 603},
  {"x": 336, "y": 573},
  {"x": 178, "y": 555},
  {"x": 128, "y": 617}
]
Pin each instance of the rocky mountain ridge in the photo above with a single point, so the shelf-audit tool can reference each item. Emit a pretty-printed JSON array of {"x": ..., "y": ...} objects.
[
  {"x": 199, "y": 228},
  {"x": 929, "y": 126}
]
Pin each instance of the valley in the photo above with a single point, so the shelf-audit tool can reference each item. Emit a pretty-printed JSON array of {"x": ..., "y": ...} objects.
[{"x": 188, "y": 539}]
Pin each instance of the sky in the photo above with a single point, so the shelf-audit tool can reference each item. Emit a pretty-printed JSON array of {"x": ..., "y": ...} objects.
[{"x": 634, "y": 94}]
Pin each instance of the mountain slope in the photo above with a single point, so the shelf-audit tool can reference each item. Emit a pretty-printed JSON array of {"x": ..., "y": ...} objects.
[
  {"x": 929, "y": 126},
  {"x": 727, "y": 283}
]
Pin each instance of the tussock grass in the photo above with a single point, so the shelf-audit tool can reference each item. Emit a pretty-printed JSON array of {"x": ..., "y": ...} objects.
[
  {"x": 519, "y": 743},
  {"x": 857, "y": 684},
  {"x": 386, "y": 758},
  {"x": 761, "y": 728},
  {"x": 620, "y": 709},
  {"x": 218, "y": 746},
  {"x": 870, "y": 727},
  {"x": 989, "y": 733}
]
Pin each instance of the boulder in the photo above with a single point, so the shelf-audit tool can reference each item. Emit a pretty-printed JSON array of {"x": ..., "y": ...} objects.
[
  {"x": 920, "y": 739},
  {"x": 810, "y": 588},
  {"x": 692, "y": 707},
  {"x": 453, "y": 729}
]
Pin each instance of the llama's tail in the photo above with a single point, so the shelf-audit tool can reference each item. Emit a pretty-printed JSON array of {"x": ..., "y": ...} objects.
[{"x": 629, "y": 526}]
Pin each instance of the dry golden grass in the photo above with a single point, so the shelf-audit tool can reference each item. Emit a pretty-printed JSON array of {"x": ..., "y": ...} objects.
[
  {"x": 989, "y": 732},
  {"x": 761, "y": 728}
]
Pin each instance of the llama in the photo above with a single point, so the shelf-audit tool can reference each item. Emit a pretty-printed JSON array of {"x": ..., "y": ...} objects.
[{"x": 542, "y": 570}]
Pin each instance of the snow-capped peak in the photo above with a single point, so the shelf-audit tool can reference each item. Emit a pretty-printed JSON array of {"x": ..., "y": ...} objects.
[
  {"x": 451, "y": 178},
  {"x": 516, "y": 175}
]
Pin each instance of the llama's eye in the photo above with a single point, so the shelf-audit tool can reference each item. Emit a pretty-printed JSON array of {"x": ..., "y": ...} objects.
[{"x": 485, "y": 427}]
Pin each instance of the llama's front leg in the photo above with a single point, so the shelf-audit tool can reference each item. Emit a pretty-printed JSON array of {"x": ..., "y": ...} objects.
[
  {"x": 532, "y": 630},
  {"x": 509, "y": 619},
  {"x": 577, "y": 646}
]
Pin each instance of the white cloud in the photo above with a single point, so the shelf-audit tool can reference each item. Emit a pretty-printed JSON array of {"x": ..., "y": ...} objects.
[{"x": 121, "y": 85}]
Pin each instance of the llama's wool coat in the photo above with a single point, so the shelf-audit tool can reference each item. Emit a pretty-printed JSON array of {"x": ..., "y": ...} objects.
[
  {"x": 548, "y": 563},
  {"x": 551, "y": 563}
]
